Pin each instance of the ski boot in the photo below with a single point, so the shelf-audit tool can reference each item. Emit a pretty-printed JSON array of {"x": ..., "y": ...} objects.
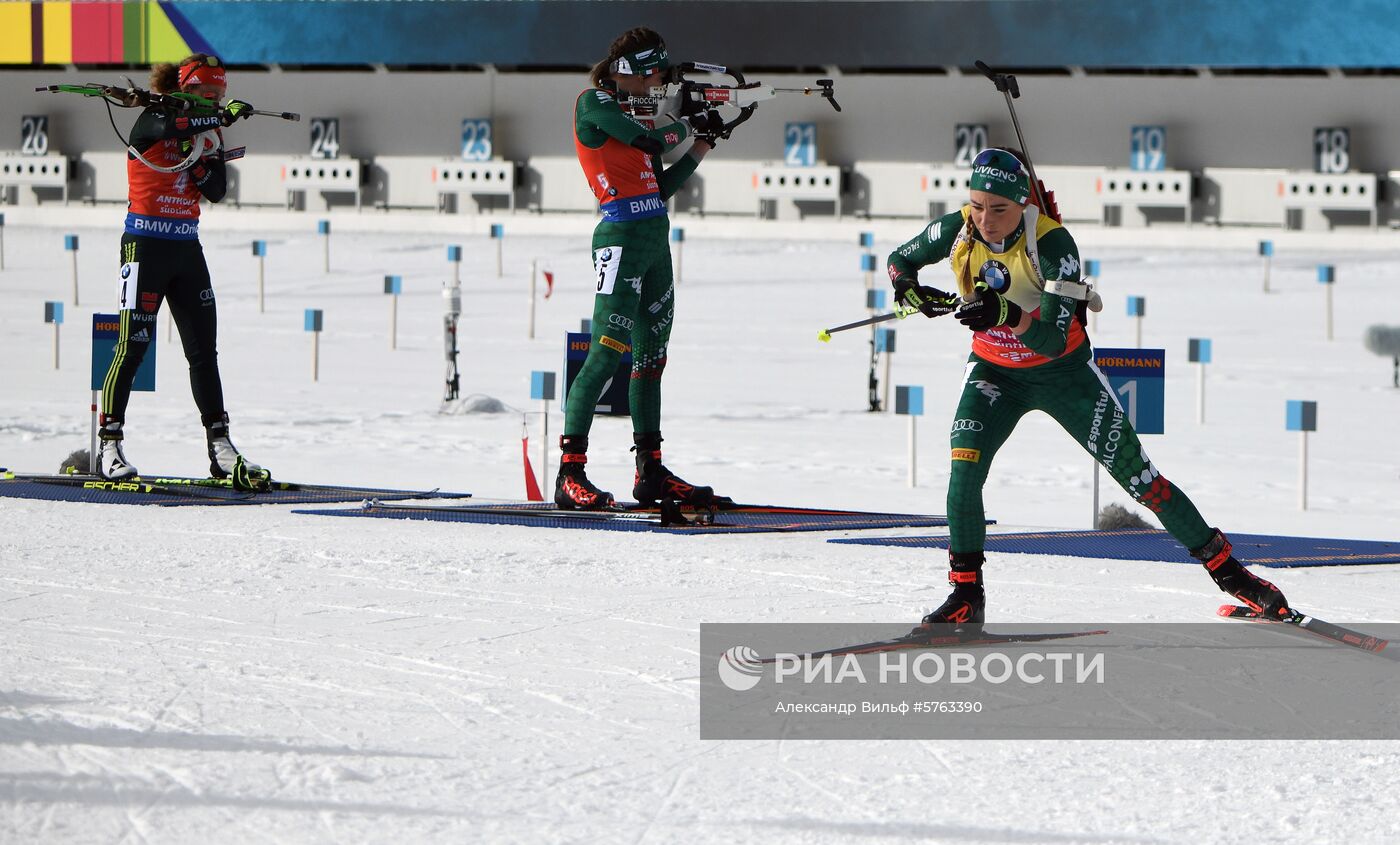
[
  {"x": 1230, "y": 575},
  {"x": 572, "y": 489},
  {"x": 225, "y": 461},
  {"x": 654, "y": 482},
  {"x": 112, "y": 463},
  {"x": 965, "y": 609}
]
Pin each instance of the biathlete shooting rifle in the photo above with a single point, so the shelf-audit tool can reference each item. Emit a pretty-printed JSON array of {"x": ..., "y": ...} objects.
[
  {"x": 682, "y": 96},
  {"x": 131, "y": 96}
]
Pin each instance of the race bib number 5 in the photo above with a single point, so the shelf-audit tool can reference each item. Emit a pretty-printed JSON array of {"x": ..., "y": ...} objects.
[{"x": 605, "y": 264}]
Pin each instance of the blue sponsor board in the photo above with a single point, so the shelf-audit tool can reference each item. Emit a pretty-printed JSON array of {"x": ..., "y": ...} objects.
[
  {"x": 614, "y": 398},
  {"x": 106, "y": 329},
  {"x": 1138, "y": 379}
]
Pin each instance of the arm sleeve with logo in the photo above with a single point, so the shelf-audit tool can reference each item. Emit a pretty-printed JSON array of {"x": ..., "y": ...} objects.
[
  {"x": 1059, "y": 260},
  {"x": 933, "y": 244},
  {"x": 599, "y": 117},
  {"x": 210, "y": 175},
  {"x": 157, "y": 125}
]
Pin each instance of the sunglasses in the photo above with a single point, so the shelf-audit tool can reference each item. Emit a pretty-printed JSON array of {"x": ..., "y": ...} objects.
[{"x": 1000, "y": 159}]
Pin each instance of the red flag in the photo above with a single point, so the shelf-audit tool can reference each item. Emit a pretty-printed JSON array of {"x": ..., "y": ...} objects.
[
  {"x": 532, "y": 488},
  {"x": 548, "y": 283}
]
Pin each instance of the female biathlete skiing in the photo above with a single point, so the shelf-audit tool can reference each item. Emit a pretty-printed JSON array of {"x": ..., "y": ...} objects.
[
  {"x": 174, "y": 159},
  {"x": 620, "y": 153},
  {"x": 1017, "y": 277}
]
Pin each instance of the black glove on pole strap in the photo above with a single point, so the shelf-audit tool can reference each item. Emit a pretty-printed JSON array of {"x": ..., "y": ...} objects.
[
  {"x": 989, "y": 310},
  {"x": 930, "y": 301}
]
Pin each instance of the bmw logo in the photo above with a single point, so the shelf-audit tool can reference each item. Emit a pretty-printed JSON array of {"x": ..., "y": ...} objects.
[
  {"x": 995, "y": 274},
  {"x": 126, "y": 271}
]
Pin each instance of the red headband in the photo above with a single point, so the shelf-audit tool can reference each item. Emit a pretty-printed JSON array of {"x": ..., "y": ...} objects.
[{"x": 207, "y": 72}]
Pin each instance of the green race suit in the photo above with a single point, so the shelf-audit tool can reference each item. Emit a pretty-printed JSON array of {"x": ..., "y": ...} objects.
[
  {"x": 1049, "y": 367},
  {"x": 635, "y": 302}
]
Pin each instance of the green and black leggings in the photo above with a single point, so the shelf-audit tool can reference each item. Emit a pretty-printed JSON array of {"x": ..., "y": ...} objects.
[
  {"x": 634, "y": 308},
  {"x": 156, "y": 270},
  {"x": 1075, "y": 394}
]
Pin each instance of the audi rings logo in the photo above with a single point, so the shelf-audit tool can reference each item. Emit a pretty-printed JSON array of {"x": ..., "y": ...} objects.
[
  {"x": 740, "y": 668},
  {"x": 966, "y": 425}
]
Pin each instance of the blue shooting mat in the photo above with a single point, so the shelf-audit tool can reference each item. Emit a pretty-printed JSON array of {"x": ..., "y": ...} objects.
[{"x": 1150, "y": 544}]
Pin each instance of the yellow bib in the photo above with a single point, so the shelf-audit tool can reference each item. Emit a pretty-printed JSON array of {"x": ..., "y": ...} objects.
[
  {"x": 1009, "y": 273},
  {"x": 1014, "y": 275}
]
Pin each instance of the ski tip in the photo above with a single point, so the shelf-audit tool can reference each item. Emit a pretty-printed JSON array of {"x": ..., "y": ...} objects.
[{"x": 1228, "y": 610}]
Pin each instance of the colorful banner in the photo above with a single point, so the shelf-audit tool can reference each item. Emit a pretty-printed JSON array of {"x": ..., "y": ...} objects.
[
  {"x": 896, "y": 33},
  {"x": 60, "y": 33}
]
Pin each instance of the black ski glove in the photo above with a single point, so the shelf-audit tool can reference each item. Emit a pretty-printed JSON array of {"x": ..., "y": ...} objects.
[
  {"x": 989, "y": 310},
  {"x": 930, "y": 301},
  {"x": 234, "y": 110},
  {"x": 706, "y": 126}
]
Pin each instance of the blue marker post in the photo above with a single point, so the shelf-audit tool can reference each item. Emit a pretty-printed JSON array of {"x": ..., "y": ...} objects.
[
  {"x": 884, "y": 343},
  {"x": 70, "y": 243},
  {"x": 1327, "y": 277},
  {"x": 542, "y": 388},
  {"x": 393, "y": 286},
  {"x": 678, "y": 239},
  {"x": 874, "y": 301},
  {"x": 1091, "y": 277},
  {"x": 498, "y": 234},
  {"x": 1198, "y": 353},
  {"x": 1137, "y": 307},
  {"x": 454, "y": 257},
  {"x": 1266, "y": 252},
  {"x": 53, "y": 313},
  {"x": 867, "y": 258},
  {"x": 260, "y": 253},
  {"x": 909, "y": 400},
  {"x": 323, "y": 228},
  {"x": 1302, "y": 418},
  {"x": 312, "y": 322}
]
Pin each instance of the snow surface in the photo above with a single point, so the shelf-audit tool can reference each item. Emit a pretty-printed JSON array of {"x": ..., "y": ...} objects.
[{"x": 243, "y": 674}]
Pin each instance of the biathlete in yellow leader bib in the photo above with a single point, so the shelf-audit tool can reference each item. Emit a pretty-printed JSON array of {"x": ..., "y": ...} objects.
[
  {"x": 620, "y": 152},
  {"x": 1016, "y": 272}
]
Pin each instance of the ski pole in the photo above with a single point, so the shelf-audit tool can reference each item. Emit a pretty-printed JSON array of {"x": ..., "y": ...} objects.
[
  {"x": 1006, "y": 84},
  {"x": 897, "y": 314}
]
